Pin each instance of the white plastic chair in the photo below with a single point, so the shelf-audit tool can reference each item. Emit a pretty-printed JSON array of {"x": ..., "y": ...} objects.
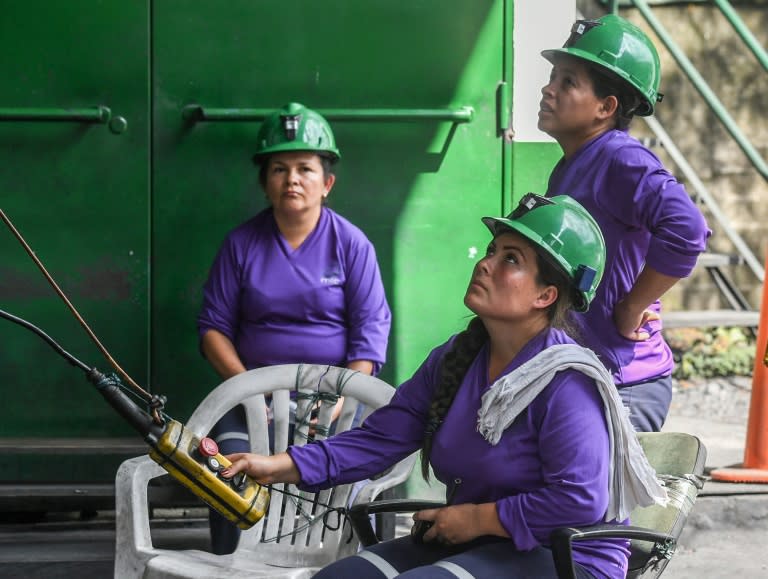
[{"x": 282, "y": 544}]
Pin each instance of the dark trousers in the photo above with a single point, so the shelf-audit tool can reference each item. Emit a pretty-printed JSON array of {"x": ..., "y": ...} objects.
[
  {"x": 648, "y": 403},
  {"x": 231, "y": 434},
  {"x": 481, "y": 558}
]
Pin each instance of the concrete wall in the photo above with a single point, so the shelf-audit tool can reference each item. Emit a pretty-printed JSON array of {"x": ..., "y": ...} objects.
[{"x": 741, "y": 84}]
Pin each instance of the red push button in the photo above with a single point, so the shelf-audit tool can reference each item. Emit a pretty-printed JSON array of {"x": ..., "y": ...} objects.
[{"x": 208, "y": 447}]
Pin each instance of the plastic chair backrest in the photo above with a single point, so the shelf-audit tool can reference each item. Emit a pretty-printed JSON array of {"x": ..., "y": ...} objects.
[{"x": 297, "y": 529}]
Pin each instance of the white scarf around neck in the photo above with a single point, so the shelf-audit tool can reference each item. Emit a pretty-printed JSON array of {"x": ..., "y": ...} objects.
[{"x": 632, "y": 480}]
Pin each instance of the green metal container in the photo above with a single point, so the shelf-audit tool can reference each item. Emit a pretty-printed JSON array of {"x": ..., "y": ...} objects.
[{"x": 128, "y": 206}]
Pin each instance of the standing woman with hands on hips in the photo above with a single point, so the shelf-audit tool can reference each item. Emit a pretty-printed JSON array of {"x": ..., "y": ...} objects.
[
  {"x": 523, "y": 426},
  {"x": 607, "y": 72}
]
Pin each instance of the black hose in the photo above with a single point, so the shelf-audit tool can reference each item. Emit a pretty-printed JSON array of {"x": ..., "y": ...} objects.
[{"x": 61, "y": 351}]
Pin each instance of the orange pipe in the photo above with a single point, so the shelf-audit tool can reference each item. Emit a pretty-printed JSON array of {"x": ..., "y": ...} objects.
[
  {"x": 755, "y": 466},
  {"x": 756, "y": 450}
]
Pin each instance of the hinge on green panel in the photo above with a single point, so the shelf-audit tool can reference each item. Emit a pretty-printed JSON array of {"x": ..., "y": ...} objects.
[{"x": 503, "y": 112}]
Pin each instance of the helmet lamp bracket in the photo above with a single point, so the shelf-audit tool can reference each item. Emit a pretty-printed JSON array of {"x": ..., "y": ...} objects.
[
  {"x": 579, "y": 29},
  {"x": 290, "y": 126},
  {"x": 529, "y": 202}
]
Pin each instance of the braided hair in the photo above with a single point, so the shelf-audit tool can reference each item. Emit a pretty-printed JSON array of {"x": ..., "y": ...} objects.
[
  {"x": 454, "y": 366},
  {"x": 467, "y": 345}
]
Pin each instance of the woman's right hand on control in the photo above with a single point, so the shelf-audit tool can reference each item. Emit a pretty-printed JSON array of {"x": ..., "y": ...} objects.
[{"x": 265, "y": 469}]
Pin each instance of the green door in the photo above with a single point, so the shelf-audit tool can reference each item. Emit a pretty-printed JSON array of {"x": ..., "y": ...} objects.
[
  {"x": 412, "y": 92},
  {"x": 74, "y": 181}
]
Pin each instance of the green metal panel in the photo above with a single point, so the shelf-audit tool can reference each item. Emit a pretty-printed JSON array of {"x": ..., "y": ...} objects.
[
  {"x": 532, "y": 164},
  {"x": 92, "y": 200},
  {"x": 439, "y": 235},
  {"x": 417, "y": 187},
  {"x": 78, "y": 191}
]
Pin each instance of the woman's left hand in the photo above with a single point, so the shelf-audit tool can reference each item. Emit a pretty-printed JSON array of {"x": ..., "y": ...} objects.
[
  {"x": 630, "y": 324},
  {"x": 631, "y": 313},
  {"x": 451, "y": 525}
]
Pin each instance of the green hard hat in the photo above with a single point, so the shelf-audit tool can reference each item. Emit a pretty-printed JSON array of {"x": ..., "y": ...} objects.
[
  {"x": 565, "y": 231},
  {"x": 616, "y": 44},
  {"x": 295, "y": 128}
]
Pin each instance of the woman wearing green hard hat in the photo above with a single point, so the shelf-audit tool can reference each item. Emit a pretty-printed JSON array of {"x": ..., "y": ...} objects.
[
  {"x": 297, "y": 283},
  {"x": 523, "y": 426},
  {"x": 606, "y": 73}
]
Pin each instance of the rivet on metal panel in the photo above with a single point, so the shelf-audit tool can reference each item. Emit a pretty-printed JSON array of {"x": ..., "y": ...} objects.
[{"x": 118, "y": 125}]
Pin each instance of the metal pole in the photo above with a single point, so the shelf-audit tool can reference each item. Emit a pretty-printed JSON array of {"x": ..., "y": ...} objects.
[
  {"x": 700, "y": 84},
  {"x": 743, "y": 31},
  {"x": 464, "y": 114}
]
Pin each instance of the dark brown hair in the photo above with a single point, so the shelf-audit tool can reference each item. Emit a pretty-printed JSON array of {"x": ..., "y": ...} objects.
[{"x": 605, "y": 84}]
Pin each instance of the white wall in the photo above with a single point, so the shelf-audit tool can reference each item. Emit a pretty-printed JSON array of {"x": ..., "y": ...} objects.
[{"x": 539, "y": 24}]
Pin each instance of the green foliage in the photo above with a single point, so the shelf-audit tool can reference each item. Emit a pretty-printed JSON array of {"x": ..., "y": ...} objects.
[{"x": 709, "y": 352}]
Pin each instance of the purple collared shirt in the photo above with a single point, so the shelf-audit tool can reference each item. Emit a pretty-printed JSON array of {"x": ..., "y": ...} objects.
[
  {"x": 647, "y": 218},
  {"x": 550, "y": 468},
  {"x": 322, "y": 303}
]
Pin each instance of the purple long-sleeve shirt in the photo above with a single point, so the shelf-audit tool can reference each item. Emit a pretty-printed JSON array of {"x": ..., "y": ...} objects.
[
  {"x": 322, "y": 303},
  {"x": 550, "y": 468},
  {"x": 647, "y": 218}
]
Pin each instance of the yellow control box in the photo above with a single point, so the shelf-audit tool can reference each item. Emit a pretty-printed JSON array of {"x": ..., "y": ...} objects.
[{"x": 241, "y": 500}]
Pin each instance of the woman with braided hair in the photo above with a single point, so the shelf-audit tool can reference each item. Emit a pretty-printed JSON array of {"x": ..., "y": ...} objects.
[{"x": 523, "y": 426}]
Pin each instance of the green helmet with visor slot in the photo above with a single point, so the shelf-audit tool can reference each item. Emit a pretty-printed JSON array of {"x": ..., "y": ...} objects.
[
  {"x": 294, "y": 127},
  {"x": 567, "y": 233},
  {"x": 615, "y": 44}
]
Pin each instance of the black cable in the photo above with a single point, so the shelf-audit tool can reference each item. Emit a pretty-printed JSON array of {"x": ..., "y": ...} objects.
[
  {"x": 94, "y": 339},
  {"x": 310, "y": 518},
  {"x": 61, "y": 351}
]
